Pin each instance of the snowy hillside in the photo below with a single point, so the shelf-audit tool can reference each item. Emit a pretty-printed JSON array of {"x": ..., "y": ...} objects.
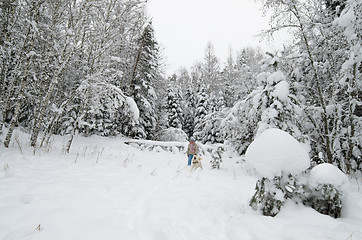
[{"x": 107, "y": 190}]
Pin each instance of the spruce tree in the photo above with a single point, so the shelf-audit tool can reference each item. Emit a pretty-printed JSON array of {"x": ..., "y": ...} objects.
[
  {"x": 201, "y": 110},
  {"x": 145, "y": 74},
  {"x": 173, "y": 109},
  {"x": 189, "y": 112}
]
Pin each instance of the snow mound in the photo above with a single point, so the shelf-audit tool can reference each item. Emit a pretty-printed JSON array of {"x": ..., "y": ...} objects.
[
  {"x": 326, "y": 173},
  {"x": 275, "y": 151}
]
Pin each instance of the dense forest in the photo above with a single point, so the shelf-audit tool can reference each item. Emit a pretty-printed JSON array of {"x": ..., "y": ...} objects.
[{"x": 94, "y": 67}]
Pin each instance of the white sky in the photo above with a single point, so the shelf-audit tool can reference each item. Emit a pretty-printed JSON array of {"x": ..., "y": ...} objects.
[{"x": 184, "y": 27}]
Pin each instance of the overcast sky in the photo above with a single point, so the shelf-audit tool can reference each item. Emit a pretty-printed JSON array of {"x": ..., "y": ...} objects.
[{"x": 184, "y": 27}]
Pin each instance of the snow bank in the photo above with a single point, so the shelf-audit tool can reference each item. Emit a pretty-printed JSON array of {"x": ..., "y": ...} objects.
[
  {"x": 326, "y": 173},
  {"x": 275, "y": 151}
]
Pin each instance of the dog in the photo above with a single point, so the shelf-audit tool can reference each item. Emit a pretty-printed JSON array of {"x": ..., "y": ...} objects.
[{"x": 196, "y": 163}]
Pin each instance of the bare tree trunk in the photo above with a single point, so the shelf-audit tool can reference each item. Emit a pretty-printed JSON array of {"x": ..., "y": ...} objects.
[
  {"x": 82, "y": 114},
  {"x": 40, "y": 116},
  {"x": 49, "y": 129},
  {"x": 326, "y": 132},
  {"x": 352, "y": 131},
  {"x": 17, "y": 109}
]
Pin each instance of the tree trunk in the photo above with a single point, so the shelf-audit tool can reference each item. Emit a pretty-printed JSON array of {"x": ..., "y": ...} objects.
[
  {"x": 17, "y": 109},
  {"x": 326, "y": 137},
  {"x": 55, "y": 119},
  {"x": 40, "y": 116},
  {"x": 45, "y": 103}
]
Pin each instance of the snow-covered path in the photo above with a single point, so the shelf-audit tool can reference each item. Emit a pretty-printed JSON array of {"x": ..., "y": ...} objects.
[{"x": 105, "y": 190}]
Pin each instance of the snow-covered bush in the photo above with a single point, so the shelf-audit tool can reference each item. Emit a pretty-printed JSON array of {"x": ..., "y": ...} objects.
[
  {"x": 268, "y": 197},
  {"x": 172, "y": 135},
  {"x": 325, "y": 199},
  {"x": 275, "y": 151},
  {"x": 277, "y": 157},
  {"x": 324, "y": 189},
  {"x": 281, "y": 161},
  {"x": 216, "y": 158}
]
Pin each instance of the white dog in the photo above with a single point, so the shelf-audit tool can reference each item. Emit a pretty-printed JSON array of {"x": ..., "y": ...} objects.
[{"x": 196, "y": 163}]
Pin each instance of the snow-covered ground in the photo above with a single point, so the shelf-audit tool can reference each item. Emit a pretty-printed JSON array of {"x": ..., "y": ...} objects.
[{"x": 107, "y": 190}]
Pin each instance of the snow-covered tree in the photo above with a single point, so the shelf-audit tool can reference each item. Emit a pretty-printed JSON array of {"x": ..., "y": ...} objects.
[
  {"x": 239, "y": 126},
  {"x": 247, "y": 66},
  {"x": 211, "y": 70},
  {"x": 173, "y": 109},
  {"x": 324, "y": 62},
  {"x": 276, "y": 106},
  {"x": 229, "y": 78},
  {"x": 201, "y": 110},
  {"x": 189, "y": 112},
  {"x": 48, "y": 48},
  {"x": 145, "y": 73}
]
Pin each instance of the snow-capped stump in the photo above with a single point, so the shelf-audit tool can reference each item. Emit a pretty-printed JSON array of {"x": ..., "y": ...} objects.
[
  {"x": 325, "y": 186},
  {"x": 277, "y": 157},
  {"x": 275, "y": 151}
]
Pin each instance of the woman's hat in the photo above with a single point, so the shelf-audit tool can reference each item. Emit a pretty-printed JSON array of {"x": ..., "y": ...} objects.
[{"x": 192, "y": 139}]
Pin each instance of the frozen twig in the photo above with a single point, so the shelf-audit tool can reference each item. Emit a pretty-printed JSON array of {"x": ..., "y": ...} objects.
[
  {"x": 76, "y": 158},
  {"x": 99, "y": 154},
  {"x": 6, "y": 167},
  {"x": 18, "y": 142},
  {"x": 350, "y": 237},
  {"x": 153, "y": 173}
]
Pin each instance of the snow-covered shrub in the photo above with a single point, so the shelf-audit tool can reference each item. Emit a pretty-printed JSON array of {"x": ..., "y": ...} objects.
[
  {"x": 325, "y": 199},
  {"x": 268, "y": 198},
  {"x": 271, "y": 194},
  {"x": 278, "y": 158},
  {"x": 172, "y": 135},
  {"x": 216, "y": 158},
  {"x": 324, "y": 189}
]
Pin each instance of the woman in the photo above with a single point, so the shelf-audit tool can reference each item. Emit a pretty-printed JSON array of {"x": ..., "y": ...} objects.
[{"x": 192, "y": 150}]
